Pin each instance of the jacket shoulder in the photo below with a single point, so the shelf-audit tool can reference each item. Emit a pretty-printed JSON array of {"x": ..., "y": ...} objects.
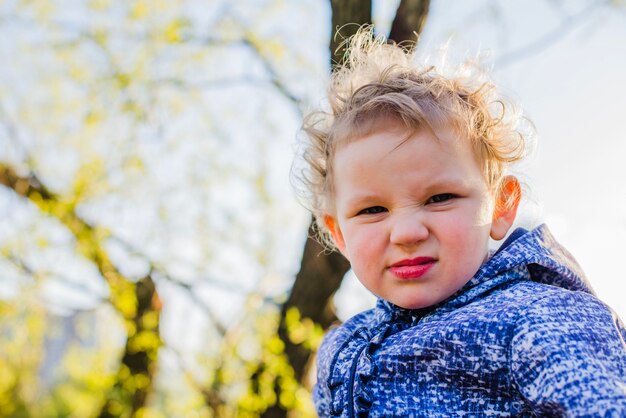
[
  {"x": 568, "y": 352},
  {"x": 528, "y": 295}
]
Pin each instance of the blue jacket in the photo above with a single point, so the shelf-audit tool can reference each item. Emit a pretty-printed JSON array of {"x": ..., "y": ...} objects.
[{"x": 524, "y": 337}]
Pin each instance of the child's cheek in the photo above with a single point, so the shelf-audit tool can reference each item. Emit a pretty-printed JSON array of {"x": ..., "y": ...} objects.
[{"x": 366, "y": 245}]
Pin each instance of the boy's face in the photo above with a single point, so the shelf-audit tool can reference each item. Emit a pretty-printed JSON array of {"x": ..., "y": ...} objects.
[{"x": 413, "y": 217}]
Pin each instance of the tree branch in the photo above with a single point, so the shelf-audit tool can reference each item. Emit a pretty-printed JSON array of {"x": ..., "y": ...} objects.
[
  {"x": 23, "y": 265},
  {"x": 410, "y": 20},
  {"x": 133, "y": 301},
  {"x": 549, "y": 38}
]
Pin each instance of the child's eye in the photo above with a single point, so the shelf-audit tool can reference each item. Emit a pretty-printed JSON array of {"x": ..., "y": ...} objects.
[
  {"x": 372, "y": 210},
  {"x": 440, "y": 198}
]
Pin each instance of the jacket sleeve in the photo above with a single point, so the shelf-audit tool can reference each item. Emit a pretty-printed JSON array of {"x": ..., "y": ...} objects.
[
  {"x": 568, "y": 356},
  {"x": 321, "y": 397},
  {"x": 321, "y": 391}
]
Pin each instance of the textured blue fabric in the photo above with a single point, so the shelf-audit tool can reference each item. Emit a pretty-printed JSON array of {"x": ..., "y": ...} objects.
[{"x": 524, "y": 337}]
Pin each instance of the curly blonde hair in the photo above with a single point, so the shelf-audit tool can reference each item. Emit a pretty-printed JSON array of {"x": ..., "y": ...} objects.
[{"x": 378, "y": 80}]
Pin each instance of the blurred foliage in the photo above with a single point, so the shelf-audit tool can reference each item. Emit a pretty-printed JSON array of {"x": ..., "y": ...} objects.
[
  {"x": 253, "y": 362},
  {"x": 135, "y": 136},
  {"x": 35, "y": 385}
]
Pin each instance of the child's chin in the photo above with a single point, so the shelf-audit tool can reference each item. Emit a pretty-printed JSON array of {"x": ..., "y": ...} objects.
[{"x": 413, "y": 304}]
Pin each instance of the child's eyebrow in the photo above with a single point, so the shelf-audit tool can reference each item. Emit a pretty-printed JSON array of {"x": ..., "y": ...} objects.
[
  {"x": 362, "y": 199},
  {"x": 445, "y": 182}
]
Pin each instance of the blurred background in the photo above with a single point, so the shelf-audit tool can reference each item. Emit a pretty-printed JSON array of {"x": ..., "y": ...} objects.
[{"x": 154, "y": 259}]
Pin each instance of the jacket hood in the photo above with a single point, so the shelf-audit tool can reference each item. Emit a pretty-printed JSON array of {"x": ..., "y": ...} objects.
[
  {"x": 534, "y": 255},
  {"x": 548, "y": 261}
]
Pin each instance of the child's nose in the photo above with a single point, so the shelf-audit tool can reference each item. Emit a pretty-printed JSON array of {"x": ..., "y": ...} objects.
[{"x": 408, "y": 229}]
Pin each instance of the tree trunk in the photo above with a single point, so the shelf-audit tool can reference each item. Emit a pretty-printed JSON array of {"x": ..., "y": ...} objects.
[
  {"x": 409, "y": 21},
  {"x": 317, "y": 281},
  {"x": 347, "y": 17}
]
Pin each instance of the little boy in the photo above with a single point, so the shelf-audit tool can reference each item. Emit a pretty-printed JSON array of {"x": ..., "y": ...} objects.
[{"x": 407, "y": 178}]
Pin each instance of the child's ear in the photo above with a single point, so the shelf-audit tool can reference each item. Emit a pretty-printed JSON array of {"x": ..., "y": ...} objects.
[
  {"x": 507, "y": 201},
  {"x": 333, "y": 227}
]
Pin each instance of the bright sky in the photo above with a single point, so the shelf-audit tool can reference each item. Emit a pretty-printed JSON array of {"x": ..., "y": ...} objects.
[{"x": 570, "y": 82}]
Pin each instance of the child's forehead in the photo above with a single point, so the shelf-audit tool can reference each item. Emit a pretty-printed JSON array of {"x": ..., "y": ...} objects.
[
  {"x": 380, "y": 125},
  {"x": 354, "y": 131},
  {"x": 401, "y": 131},
  {"x": 447, "y": 135}
]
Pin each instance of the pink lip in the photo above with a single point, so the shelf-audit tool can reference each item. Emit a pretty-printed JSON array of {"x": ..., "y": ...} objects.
[{"x": 412, "y": 268}]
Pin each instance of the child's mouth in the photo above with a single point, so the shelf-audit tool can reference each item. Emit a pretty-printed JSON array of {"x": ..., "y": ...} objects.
[{"x": 412, "y": 268}]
